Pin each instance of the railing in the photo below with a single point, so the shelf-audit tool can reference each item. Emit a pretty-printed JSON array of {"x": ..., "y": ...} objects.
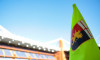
[{"x": 16, "y": 53}]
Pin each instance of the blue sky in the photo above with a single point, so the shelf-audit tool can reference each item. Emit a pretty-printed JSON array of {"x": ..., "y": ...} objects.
[{"x": 46, "y": 20}]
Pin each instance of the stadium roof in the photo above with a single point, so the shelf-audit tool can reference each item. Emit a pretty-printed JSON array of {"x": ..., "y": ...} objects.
[{"x": 12, "y": 39}]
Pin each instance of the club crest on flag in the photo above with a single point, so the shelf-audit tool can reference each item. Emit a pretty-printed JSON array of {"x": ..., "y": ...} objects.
[{"x": 80, "y": 33}]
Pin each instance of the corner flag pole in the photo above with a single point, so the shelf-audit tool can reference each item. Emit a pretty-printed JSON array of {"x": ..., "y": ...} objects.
[{"x": 61, "y": 50}]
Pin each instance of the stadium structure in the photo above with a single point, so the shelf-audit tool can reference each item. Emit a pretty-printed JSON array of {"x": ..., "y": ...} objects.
[{"x": 14, "y": 47}]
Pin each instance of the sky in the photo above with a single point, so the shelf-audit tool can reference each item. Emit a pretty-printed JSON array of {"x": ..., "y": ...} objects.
[{"x": 47, "y": 20}]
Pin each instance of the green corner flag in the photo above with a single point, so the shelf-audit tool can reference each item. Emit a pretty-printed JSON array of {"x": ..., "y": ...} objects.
[{"x": 83, "y": 45}]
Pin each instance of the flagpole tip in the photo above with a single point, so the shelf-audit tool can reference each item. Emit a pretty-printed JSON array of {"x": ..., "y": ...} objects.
[{"x": 74, "y": 5}]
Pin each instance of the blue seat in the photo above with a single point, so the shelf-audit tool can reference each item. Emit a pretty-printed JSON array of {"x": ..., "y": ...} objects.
[
  {"x": 46, "y": 56},
  {"x": 7, "y": 52},
  {"x": 37, "y": 56},
  {"x": 42, "y": 56},
  {"x": 20, "y": 54},
  {"x": 31, "y": 54},
  {"x": 12, "y": 51},
  {"x": 1, "y": 52},
  {"x": 51, "y": 57}
]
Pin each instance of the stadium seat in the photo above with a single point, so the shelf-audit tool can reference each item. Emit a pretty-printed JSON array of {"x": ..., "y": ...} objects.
[
  {"x": 20, "y": 54},
  {"x": 31, "y": 54},
  {"x": 1, "y": 52},
  {"x": 7, "y": 52}
]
